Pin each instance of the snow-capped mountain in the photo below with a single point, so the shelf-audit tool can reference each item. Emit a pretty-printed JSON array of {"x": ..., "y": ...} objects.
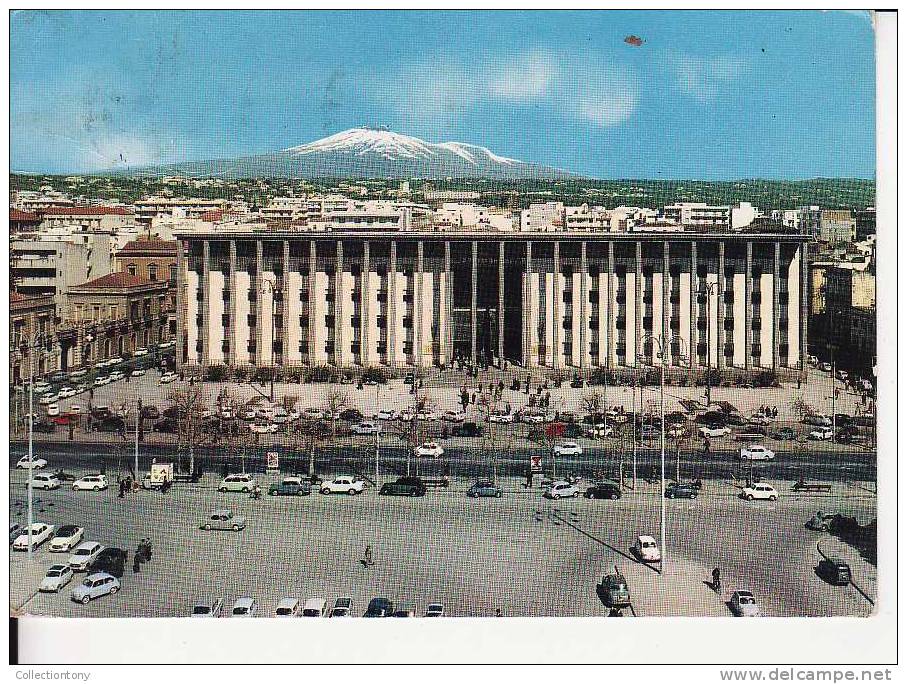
[{"x": 370, "y": 153}]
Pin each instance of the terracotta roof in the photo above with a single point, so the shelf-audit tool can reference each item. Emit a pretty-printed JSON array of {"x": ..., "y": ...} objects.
[
  {"x": 156, "y": 245},
  {"x": 17, "y": 215},
  {"x": 212, "y": 216},
  {"x": 118, "y": 281},
  {"x": 85, "y": 211}
]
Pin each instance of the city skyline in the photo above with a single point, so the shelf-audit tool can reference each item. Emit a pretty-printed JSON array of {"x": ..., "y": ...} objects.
[{"x": 784, "y": 95}]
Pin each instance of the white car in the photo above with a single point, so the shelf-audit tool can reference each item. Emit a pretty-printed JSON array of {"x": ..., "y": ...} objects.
[
  {"x": 49, "y": 399},
  {"x": 430, "y": 449},
  {"x": 454, "y": 416},
  {"x": 313, "y": 414},
  {"x": 36, "y": 463},
  {"x": 114, "y": 361},
  {"x": 387, "y": 415},
  {"x": 42, "y": 387},
  {"x": 500, "y": 417},
  {"x": 240, "y": 482},
  {"x": 101, "y": 380},
  {"x": 743, "y": 604},
  {"x": 428, "y": 415},
  {"x": 53, "y": 410},
  {"x": 600, "y": 431},
  {"x": 561, "y": 489},
  {"x": 83, "y": 555},
  {"x": 141, "y": 351},
  {"x": 117, "y": 375},
  {"x": 287, "y": 607},
  {"x": 818, "y": 419},
  {"x": 248, "y": 414},
  {"x": 93, "y": 483},
  {"x": 66, "y": 538},
  {"x": 343, "y": 484},
  {"x": 167, "y": 378},
  {"x": 825, "y": 366},
  {"x": 138, "y": 372},
  {"x": 821, "y": 434},
  {"x": 366, "y": 428},
  {"x": 57, "y": 577},
  {"x": 268, "y": 428},
  {"x": 760, "y": 490},
  {"x": 280, "y": 416},
  {"x": 94, "y": 586},
  {"x": 756, "y": 452},
  {"x": 244, "y": 608},
  {"x": 45, "y": 481},
  {"x": 166, "y": 345},
  {"x": 208, "y": 609},
  {"x": 532, "y": 418},
  {"x": 646, "y": 549},
  {"x": 760, "y": 419},
  {"x": 568, "y": 449},
  {"x": 707, "y": 431},
  {"x": 40, "y": 533},
  {"x": 67, "y": 393}
]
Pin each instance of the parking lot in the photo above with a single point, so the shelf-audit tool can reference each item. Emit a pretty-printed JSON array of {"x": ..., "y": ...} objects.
[{"x": 519, "y": 554}]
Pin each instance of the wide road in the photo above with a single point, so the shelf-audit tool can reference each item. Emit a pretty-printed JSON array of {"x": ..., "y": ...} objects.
[{"x": 464, "y": 460}]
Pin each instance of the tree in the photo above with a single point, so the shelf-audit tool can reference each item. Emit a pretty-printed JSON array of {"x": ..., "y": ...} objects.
[
  {"x": 593, "y": 402},
  {"x": 334, "y": 401},
  {"x": 802, "y": 408},
  {"x": 189, "y": 404}
]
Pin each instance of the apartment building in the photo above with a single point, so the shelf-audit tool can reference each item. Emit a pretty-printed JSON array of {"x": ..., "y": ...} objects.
[
  {"x": 722, "y": 300},
  {"x": 698, "y": 216},
  {"x": 32, "y": 337}
]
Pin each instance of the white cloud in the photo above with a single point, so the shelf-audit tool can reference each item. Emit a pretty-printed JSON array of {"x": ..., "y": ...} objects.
[
  {"x": 705, "y": 77},
  {"x": 529, "y": 75}
]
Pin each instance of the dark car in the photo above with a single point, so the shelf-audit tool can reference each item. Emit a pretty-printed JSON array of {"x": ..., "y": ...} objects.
[
  {"x": 834, "y": 571},
  {"x": 404, "y": 486},
  {"x": 843, "y": 419},
  {"x": 685, "y": 490},
  {"x": 165, "y": 425},
  {"x": 57, "y": 376},
  {"x": 111, "y": 424},
  {"x": 615, "y": 592},
  {"x": 755, "y": 429},
  {"x": 606, "y": 489},
  {"x": 110, "y": 560},
  {"x": 846, "y": 434},
  {"x": 352, "y": 415},
  {"x": 573, "y": 430},
  {"x": 712, "y": 418},
  {"x": 290, "y": 486},
  {"x": 466, "y": 430},
  {"x": 484, "y": 488},
  {"x": 379, "y": 607},
  {"x": 45, "y": 426},
  {"x": 151, "y": 412},
  {"x": 734, "y": 419},
  {"x": 784, "y": 433}
]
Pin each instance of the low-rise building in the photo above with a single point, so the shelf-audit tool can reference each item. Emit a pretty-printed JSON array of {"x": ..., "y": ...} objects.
[{"x": 32, "y": 337}]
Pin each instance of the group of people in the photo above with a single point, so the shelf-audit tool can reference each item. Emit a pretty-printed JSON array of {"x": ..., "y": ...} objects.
[
  {"x": 768, "y": 411},
  {"x": 142, "y": 554}
]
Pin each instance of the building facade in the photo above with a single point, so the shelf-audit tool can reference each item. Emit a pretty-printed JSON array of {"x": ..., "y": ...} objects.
[
  {"x": 573, "y": 301},
  {"x": 32, "y": 337}
]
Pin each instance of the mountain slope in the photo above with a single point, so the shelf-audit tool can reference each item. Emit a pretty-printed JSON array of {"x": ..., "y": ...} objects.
[{"x": 368, "y": 153}]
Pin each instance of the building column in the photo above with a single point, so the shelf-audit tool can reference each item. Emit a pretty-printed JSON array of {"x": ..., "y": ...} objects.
[
  {"x": 583, "y": 307},
  {"x": 392, "y": 305},
  {"x": 284, "y": 306},
  {"x": 181, "y": 309},
  {"x": 776, "y": 308},
  {"x": 721, "y": 306},
  {"x": 666, "y": 335},
  {"x": 448, "y": 306},
  {"x": 338, "y": 306},
  {"x": 231, "y": 334},
  {"x": 313, "y": 263},
  {"x": 804, "y": 304},
  {"x": 473, "y": 313},
  {"x": 640, "y": 288},
  {"x": 364, "y": 294},
  {"x": 526, "y": 318},
  {"x": 257, "y": 287},
  {"x": 205, "y": 328},
  {"x": 694, "y": 306},
  {"x": 417, "y": 303},
  {"x": 557, "y": 355},
  {"x": 748, "y": 309},
  {"x": 612, "y": 346},
  {"x": 501, "y": 304}
]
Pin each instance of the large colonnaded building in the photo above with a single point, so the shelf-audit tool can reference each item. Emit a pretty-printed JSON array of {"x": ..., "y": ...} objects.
[{"x": 560, "y": 301}]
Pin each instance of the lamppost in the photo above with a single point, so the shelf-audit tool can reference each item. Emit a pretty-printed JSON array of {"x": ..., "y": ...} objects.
[
  {"x": 712, "y": 289},
  {"x": 269, "y": 285}
]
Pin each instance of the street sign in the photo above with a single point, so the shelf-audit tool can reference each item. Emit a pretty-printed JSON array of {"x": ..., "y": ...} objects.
[
  {"x": 535, "y": 463},
  {"x": 273, "y": 461}
]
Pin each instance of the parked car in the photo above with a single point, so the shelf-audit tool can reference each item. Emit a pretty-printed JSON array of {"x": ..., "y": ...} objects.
[
  {"x": 404, "y": 486},
  {"x": 404, "y": 612},
  {"x": 111, "y": 424},
  {"x": 743, "y": 604},
  {"x": 240, "y": 482},
  {"x": 817, "y": 419},
  {"x": 138, "y": 372},
  {"x": 35, "y": 463},
  {"x": 244, "y": 607},
  {"x": 604, "y": 489},
  {"x": 40, "y": 533},
  {"x": 208, "y": 609},
  {"x": 756, "y": 452},
  {"x": 598, "y": 431},
  {"x": 15, "y": 529},
  {"x": 264, "y": 428},
  {"x": 568, "y": 449},
  {"x": 94, "y": 586},
  {"x": 434, "y": 610},
  {"x": 784, "y": 433},
  {"x": 834, "y": 571},
  {"x": 83, "y": 555},
  {"x": 820, "y": 434},
  {"x": 678, "y": 490},
  {"x": 351, "y": 415},
  {"x": 44, "y": 481},
  {"x": 314, "y": 607},
  {"x": 366, "y": 428},
  {"x": 500, "y": 417},
  {"x": 484, "y": 488},
  {"x": 111, "y": 560},
  {"x": 379, "y": 607},
  {"x": 615, "y": 592},
  {"x": 167, "y": 378},
  {"x": 66, "y": 538},
  {"x": 168, "y": 425},
  {"x": 56, "y": 577},
  {"x": 141, "y": 351},
  {"x": 561, "y": 489},
  {"x": 93, "y": 483},
  {"x": 713, "y": 431},
  {"x": 467, "y": 429},
  {"x": 223, "y": 520},
  {"x": 101, "y": 380},
  {"x": 760, "y": 490},
  {"x": 290, "y": 486},
  {"x": 430, "y": 416},
  {"x": 343, "y": 607},
  {"x": 343, "y": 484},
  {"x": 454, "y": 416},
  {"x": 387, "y": 415},
  {"x": 429, "y": 449},
  {"x": 287, "y": 607},
  {"x": 646, "y": 549}
]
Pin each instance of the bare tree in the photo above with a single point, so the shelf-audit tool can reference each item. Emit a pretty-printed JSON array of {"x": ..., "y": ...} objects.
[
  {"x": 189, "y": 403},
  {"x": 802, "y": 408},
  {"x": 593, "y": 402},
  {"x": 334, "y": 400}
]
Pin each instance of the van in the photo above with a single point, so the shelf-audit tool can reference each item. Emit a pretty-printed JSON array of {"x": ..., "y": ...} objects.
[{"x": 314, "y": 607}]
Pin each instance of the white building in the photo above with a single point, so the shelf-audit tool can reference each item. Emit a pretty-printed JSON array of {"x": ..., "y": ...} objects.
[{"x": 698, "y": 216}]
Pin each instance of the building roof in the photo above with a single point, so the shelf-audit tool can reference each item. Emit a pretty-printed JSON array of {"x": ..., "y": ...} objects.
[
  {"x": 154, "y": 246},
  {"x": 86, "y": 211},
  {"x": 18, "y": 301},
  {"x": 213, "y": 216},
  {"x": 119, "y": 281},
  {"x": 17, "y": 215}
]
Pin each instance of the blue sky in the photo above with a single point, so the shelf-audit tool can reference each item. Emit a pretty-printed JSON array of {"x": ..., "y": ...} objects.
[{"x": 710, "y": 95}]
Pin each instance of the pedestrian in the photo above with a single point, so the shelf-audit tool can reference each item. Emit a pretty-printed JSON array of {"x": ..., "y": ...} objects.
[
  {"x": 473, "y": 397},
  {"x": 706, "y": 446},
  {"x": 368, "y": 560},
  {"x": 716, "y": 580},
  {"x": 498, "y": 613},
  {"x": 90, "y": 394},
  {"x": 122, "y": 487}
]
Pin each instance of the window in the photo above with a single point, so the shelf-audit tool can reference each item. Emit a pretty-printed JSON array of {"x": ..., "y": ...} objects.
[
  {"x": 251, "y": 320},
  {"x": 152, "y": 272},
  {"x": 173, "y": 272},
  {"x": 131, "y": 269},
  {"x": 329, "y": 321},
  {"x": 568, "y": 297}
]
